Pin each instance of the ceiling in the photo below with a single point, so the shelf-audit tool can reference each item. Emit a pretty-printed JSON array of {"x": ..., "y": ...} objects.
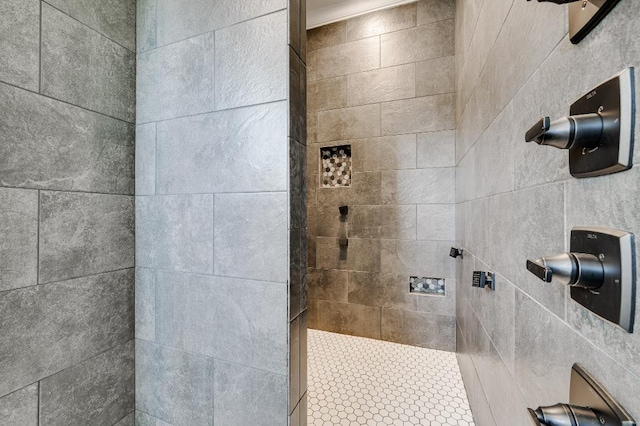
[{"x": 322, "y": 12}]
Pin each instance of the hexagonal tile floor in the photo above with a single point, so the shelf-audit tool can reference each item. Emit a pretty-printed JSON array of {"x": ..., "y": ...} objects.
[{"x": 358, "y": 381}]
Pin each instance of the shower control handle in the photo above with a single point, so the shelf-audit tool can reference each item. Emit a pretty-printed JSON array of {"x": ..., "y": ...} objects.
[
  {"x": 573, "y": 269},
  {"x": 565, "y": 415},
  {"x": 577, "y": 131}
]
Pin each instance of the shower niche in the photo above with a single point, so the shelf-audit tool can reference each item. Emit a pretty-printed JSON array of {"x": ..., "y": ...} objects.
[{"x": 335, "y": 166}]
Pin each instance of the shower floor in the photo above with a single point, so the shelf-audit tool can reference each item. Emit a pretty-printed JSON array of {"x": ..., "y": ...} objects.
[{"x": 358, "y": 381}]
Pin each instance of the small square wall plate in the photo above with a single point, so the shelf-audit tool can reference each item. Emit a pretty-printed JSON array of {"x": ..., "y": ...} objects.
[{"x": 584, "y": 16}]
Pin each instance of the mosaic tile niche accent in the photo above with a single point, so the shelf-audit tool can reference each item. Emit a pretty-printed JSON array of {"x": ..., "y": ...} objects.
[
  {"x": 427, "y": 285},
  {"x": 335, "y": 162}
]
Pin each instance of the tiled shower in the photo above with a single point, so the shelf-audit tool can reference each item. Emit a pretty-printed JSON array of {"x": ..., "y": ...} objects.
[{"x": 187, "y": 186}]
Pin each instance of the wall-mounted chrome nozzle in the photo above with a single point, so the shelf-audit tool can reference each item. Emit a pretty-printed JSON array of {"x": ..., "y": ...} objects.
[{"x": 580, "y": 131}]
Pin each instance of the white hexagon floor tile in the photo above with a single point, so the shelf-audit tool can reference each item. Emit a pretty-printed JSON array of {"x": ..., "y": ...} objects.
[{"x": 359, "y": 381}]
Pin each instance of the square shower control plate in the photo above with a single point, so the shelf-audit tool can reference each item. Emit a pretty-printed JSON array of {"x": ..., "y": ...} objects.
[
  {"x": 615, "y": 299},
  {"x": 584, "y": 15},
  {"x": 613, "y": 100}
]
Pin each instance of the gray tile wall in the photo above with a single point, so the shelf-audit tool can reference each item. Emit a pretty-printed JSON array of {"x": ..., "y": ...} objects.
[
  {"x": 220, "y": 213},
  {"x": 383, "y": 83},
  {"x": 514, "y": 62},
  {"x": 67, "y": 78}
]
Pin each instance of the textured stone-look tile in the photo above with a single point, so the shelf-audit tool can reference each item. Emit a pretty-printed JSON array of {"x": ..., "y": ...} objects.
[
  {"x": 360, "y": 255},
  {"x": 421, "y": 186},
  {"x": 20, "y": 408},
  {"x": 328, "y": 284},
  {"x": 176, "y": 80},
  {"x": 264, "y": 405},
  {"x": 99, "y": 391},
  {"x": 146, "y": 25},
  {"x": 435, "y": 10},
  {"x": 20, "y": 43},
  {"x": 364, "y": 190},
  {"x": 386, "y": 84},
  {"x": 237, "y": 150},
  {"x": 417, "y": 44},
  {"x": 251, "y": 62},
  {"x": 347, "y": 318},
  {"x": 129, "y": 420},
  {"x": 387, "y": 290},
  {"x": 73, "y": 149},
  {"x": 352, "y": 57},
  {"x": 179, "y": 19},
  {"x": 19, "y": 243},
  {"x": 437, "y": 222},
  {"x": 82, "y": 234},
  {"x": 330, "y": 93},
  {"x": 436, "y": 149},
  {"x": 383, "y": 153},
  {"x": 146, "y": 159},
  {"x": 251, "y": 236},
  {"x": 174, "y": 386},
  {"x": 145, "y": 304},
  {"x": 421, "y": 258},
  {"x": 175, "y": 232},
  {"x": 66, "y": 323},
  {"x": 297, "y": 98},
  {"x": 435, "y": 76},
  {"x": 381, "y": 22},
  {"x": 327, "y": 35},
  {"x": 389, "y": 222},
  {"x": 84, "y": 68},
  {"x": 114, "y": 19},
  {"x": 297, "y": 185},
  {"x": 296, "y": 271},
  {"x": 349, "y": 123},
  {"x": 143, "y": 419},
  {"x": 304, "y": 356},
  {"x": 224, "y": 318},
  {"x": 419, "y": 329},
  {"x": 417, "y": 115},
  {"x": 439, "y": 305}
]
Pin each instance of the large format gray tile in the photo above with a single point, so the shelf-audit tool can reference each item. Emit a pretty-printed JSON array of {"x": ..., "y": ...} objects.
[
  {"x": 145, "y": 304},
  {"x": 417, "y": 44},
  {"x": 383, "y": 153},
  {"x": 327, "y": 35},
  {"x": 19, "y": 244},
  {"x": 82, "y": 234},
  {"x": 389, "y": 222},
  {"x": 20, "y": 43},
  {"x": 244, "y": 396},
  {"x": 435, "y": 76},
  {"x": 436, "y": 222},
  {"x": 427, "y": 114},
  {"x": 328, "y": 284},
  {"x": 84, "y": 68},
  {"x": 349, "y": 123},
  {"x": 179, "y": 19},
  {"x": 251, "y": 238},
  {"x": 52, "y": 145},
  {"x": 175, "y": 232},
  {"x": 231, "y": 319},
  {"x": 174, "y": 386},
  {"x": 294, "y": 364},
  {"x": 146, "y": 25},
  {"x": 297, "y": 98},
  {"x": 348, "y": 58},
  {"x": 128, "y": 420},
  {"x": 65, "y": 324},
  {"x": 251, "y": 62},
  {"x": 435, "y": 11},
  {"x": 436, "y": 149},
  {"x": 297, "y": 185},
  {"x": 99, "y": 391},
  {"x": 419, "y": 329},
  {"x": 239, "y": 150},
  {"x": 114, "y": 19},
  {"x": 364, "y": 190},
  {"x": 176, "y": 80},
  {"x": 146, "y": 159},
  {"x": 360, "y": 255},
  {"x": 348, "y": 318},
  {"x": 330, "y": 93},
  {"x": 20, "y": 408},
  {"x": 420, "y": 186},
  {"x": 417, "y": 258},
  {"x": 386, "y": 84},
  {"x": 386, "y": 290},
  {"x": 381, "y": 22}
]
